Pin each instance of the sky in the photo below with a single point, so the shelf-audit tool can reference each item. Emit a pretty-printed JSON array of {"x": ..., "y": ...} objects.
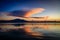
[{"x": 52, "y": 7}]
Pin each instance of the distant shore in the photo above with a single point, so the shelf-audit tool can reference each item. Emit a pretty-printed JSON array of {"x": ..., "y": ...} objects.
[{"x": 20, "y": 21}]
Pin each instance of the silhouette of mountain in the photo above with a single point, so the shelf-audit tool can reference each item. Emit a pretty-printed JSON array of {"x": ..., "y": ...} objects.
[
  {"x": 18, "y": 21},
  {"x": 13, "y": 21}
]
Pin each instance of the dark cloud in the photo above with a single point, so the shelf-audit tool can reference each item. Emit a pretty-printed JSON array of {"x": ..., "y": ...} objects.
[{"x": 18, "y": 13}]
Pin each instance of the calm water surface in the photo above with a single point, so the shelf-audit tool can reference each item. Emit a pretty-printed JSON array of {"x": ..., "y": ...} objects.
[{"x": 34, "y": 29}]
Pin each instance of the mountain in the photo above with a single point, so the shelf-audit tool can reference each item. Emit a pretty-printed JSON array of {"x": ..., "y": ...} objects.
[
  {"x": 13, "y": 21},
  {"x": 18, "y": 21}
]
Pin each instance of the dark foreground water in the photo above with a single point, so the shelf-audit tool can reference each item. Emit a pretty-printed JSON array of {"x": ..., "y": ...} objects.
[{"x": 30, "y": 31}]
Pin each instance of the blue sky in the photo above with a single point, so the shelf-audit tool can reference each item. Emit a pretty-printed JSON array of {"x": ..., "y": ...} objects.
[{"x": 52, "y": 7}]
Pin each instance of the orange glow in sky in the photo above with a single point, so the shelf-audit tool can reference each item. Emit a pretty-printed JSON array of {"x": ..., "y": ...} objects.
[{"x": 34, "y": 11}]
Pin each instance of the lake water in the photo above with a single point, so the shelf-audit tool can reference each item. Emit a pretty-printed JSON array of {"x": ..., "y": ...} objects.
[{"x": 36, "y": 30}]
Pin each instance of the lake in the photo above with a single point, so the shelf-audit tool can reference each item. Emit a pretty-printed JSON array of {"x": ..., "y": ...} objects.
[{"x": 31, "y": 30}]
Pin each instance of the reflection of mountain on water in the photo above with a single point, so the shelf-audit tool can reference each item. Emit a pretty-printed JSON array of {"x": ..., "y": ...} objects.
[{"x": 18, "y": 24}]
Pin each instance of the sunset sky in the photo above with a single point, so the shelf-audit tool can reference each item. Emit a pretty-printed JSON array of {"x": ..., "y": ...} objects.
[{"x": 52, "y": 7}]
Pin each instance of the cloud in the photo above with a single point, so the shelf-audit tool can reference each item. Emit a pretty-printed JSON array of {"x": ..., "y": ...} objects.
[
  {"x": 12, "y": 15},
  {"x": 2, "y": 14},
  {"x": 25, "y": 12},
  {"x": 20, "y": 13},
  {"x": 34, "y": 11}
]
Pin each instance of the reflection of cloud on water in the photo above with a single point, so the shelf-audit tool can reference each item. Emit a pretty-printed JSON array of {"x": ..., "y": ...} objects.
[
  {"x": 36, "y": 29},
  {"x": 44, "y": 30}
]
